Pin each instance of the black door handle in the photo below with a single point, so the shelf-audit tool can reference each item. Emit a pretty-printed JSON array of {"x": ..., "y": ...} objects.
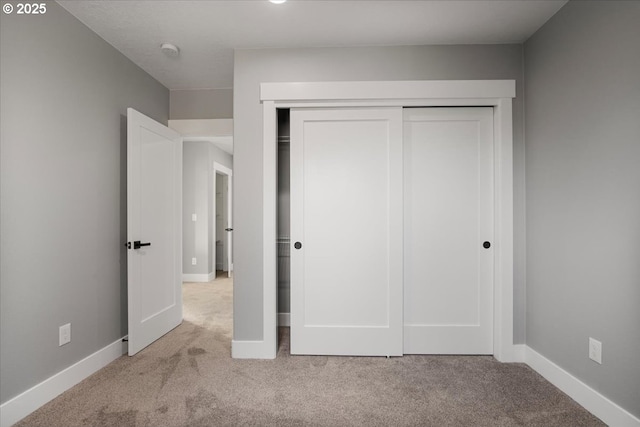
[
  {"x": 228, "y": 229},
  {"x": 486, "y": 245},
  {"x": 297, "y": 245},
  {"x": 137, "y": 244}
]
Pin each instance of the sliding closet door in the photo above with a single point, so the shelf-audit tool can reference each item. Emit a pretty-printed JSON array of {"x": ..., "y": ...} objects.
[
  {"x": 346, "y": 231},
  {"x": 448, "y": 231}
]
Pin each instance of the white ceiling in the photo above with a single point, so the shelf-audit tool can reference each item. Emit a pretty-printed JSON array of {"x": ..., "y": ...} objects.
[{"x": 207, "y": 32}]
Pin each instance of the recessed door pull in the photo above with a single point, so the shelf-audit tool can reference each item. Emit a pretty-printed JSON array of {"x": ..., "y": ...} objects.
[
  {"x": 486, "y": 245},
  {"x": 137, "y": 244}
]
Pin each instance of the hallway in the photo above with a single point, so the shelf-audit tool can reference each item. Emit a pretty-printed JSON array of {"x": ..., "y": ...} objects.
[{"x": 210, "y": 305}]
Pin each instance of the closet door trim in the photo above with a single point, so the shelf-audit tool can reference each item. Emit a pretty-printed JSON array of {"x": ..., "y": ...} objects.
[{"x": 495, "y": 93}]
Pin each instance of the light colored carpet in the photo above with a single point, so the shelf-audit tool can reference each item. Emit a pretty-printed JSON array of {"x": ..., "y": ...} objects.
[
  {"x": 210, "y": 305},
  {"x": 187, "y": 378}
]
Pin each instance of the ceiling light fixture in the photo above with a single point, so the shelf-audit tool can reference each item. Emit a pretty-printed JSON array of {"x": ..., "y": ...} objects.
[
  {"x": 170, "y": 50},
  {"x": 277, "y": 1}
]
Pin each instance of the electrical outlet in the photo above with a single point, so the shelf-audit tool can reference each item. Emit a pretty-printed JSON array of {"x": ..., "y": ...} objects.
[
  {"x": 194, "y": 217},
  {"x": 595, "y": 350},
  {"x": 194, "y": 261},
  {"x": 64, "y": 336}
]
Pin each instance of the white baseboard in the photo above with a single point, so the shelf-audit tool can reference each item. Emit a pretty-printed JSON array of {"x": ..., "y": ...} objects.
[
  {"x": 199, "y": 278},
  {"x": 593, "y": 401},
  {"x": 284, "y": 319},
  {"x": 22, "y": 405},
  {"x": 251, "y": 350}
]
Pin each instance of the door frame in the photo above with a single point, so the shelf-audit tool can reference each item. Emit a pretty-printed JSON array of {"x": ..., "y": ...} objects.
[
  {"x": 442, "y": 93},
  {"x": 223, "y": 170}
]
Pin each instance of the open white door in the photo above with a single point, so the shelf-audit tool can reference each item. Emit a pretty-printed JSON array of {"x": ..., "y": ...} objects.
[
  {"x": 346, "y": 231},
  {"x": 154, "y": 229}
]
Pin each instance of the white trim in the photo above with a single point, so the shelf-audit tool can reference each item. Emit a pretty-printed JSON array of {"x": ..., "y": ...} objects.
[
  {"x": 270, "y": 227},
  {"x": 198, "y": 278},
  {"x": 399, "y": 102},
  {"x": 217, "y": 167},
  {"x": 495, "y": 93},
  {"x": 593, "y": 401},
  {"x": 25, "y": 403},
  {"x": 250, "y": 350},
  {"x": 284, "y": 319},
  {"x": 503, "y": 229},
  {"x": 424, "y": 89}
]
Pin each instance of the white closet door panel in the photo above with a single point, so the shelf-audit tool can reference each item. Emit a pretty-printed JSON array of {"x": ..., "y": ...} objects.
[
  {"x": 346, "y": 186},
  {"x": 448, "y": 170}
]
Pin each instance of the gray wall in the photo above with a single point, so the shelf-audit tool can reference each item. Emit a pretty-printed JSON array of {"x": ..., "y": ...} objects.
[
  {"x": 583, "y": 194},
  {"x": 197, "y": 197},
  {"x": 345, "y": 64},
  {"x": 63, "y": 187},
  {"x": 201, "y": 104}
]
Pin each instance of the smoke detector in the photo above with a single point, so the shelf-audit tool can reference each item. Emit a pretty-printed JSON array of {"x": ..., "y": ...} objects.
[{"x": 171, "y": 50}]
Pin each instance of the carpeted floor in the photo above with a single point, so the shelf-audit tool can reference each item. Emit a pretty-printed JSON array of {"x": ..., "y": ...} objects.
[{"x": 187, "y": 378}]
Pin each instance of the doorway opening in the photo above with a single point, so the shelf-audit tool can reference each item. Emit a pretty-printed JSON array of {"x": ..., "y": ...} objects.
[{"x": 208, "y": 303}]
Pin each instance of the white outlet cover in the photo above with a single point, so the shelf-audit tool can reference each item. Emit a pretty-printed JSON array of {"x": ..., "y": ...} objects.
[
  {"x": 64, "y": 334},
  {"x": 194, "y": 217},
  {"x": 194, "y": 261},
  {"x": 595, "y": 350}
]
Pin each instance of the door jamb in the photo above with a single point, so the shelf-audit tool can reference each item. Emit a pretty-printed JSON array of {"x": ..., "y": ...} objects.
[{"x": 495, "y": 93}]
